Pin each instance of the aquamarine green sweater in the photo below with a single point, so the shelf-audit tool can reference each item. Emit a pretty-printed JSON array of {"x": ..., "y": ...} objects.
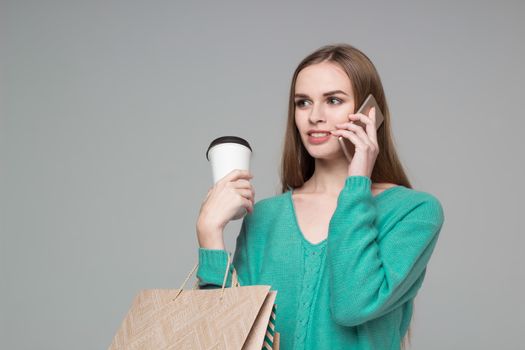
[{"x": 355, "y": 289}]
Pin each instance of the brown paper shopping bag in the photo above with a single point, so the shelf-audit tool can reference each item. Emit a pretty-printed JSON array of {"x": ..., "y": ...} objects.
[{"x": 239, "y": 317}]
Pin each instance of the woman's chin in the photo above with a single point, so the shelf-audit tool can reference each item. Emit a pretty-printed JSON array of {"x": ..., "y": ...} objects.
[
  {"x": 334, "y": 155},
  {"x": 330, "y": 150}
]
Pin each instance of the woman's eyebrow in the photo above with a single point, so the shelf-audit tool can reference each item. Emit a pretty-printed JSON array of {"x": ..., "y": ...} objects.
[{"x": 325, "y": 94}]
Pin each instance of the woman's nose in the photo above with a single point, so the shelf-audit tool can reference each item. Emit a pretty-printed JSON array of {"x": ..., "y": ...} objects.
[{"x": 317, "y": 115}]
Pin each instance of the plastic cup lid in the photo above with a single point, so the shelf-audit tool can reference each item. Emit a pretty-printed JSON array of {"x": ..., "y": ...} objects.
[{"x": 227, "y": 139}]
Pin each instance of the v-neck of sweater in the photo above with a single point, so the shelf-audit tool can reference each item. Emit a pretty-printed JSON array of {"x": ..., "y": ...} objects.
[{"x": 378, "y": 197}]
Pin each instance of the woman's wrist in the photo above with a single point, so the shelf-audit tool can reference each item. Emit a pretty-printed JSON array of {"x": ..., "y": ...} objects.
[
  {"x": 209, "y": 238},
  {"x": 217, "y": 244}
]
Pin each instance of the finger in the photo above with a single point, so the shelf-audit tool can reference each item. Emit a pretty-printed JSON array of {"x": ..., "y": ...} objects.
[
  {"x": 371, "y": 129},
  {"x": 350, "y": 135},
  {"x": 242, "y": 183},
  {"x": 246, "y": 193},
  {"x": 360, "y": 116},
  {"x": 358, "y": 130},
  {"x": 248, "y": 205},
  {"x": 369, "y": 123},
  {"x": 236, "y": 174},
  {"x": 347, "y": 125},
  {"x": 372, "y": 113},
  {"x": 360, "y": 119}
]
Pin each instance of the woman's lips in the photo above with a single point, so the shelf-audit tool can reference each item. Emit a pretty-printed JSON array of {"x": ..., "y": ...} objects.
[{"x": 318, "y": 140}]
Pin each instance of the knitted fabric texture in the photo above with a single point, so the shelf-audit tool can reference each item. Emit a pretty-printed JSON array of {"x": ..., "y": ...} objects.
[{"x": 353, "y": 290}]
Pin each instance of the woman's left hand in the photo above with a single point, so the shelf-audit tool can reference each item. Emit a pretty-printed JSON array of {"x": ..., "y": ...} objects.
[{"x": 366, "y": 147}]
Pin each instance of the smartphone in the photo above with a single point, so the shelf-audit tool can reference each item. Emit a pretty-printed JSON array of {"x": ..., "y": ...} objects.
[{"x": 370, "y": 102}]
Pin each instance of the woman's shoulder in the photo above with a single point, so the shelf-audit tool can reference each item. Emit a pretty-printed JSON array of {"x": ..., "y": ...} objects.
[
  {"x": 274, "y": 202},
  {"x": 379, "y": 187},
  {"x": 269, "y": 206},
  {"x": 416, "y": 202},
  {"x": 420, "y": 195}
]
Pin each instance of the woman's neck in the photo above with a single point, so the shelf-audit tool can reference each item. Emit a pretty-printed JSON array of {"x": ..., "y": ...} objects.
[{"x": 328, "y": 178}]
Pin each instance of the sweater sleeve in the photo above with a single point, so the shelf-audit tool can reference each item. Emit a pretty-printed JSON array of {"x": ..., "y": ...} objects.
[
  {"x": 369, "y": 277},
  {"x": 213, "y": 262}
]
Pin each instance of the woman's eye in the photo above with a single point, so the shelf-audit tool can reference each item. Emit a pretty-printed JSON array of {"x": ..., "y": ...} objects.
[
  {"x": 335, "y": 99},
  {"x": 299, "y": 103}
]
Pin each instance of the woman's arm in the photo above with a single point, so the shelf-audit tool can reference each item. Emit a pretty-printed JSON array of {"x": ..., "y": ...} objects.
[
  {"x": 369, "y": 278},
  {"x": 213, "y": 262}
]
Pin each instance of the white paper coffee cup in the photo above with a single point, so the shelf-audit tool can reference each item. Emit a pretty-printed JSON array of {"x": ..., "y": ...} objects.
[{"x": 225, "y": 154}]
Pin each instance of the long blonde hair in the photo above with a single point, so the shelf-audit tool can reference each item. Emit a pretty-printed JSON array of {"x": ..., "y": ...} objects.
[{"x": 297, "y": 166}]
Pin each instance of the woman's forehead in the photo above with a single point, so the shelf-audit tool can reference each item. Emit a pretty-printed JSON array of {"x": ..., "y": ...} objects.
[{"x": 322, "y": 77}]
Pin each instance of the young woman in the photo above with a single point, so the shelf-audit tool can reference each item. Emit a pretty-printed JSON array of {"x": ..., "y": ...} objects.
[{"x": 346, "y": 243}]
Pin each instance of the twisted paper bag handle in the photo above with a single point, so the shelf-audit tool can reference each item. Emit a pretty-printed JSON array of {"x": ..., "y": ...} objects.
[{"x": 235, "y": 281}]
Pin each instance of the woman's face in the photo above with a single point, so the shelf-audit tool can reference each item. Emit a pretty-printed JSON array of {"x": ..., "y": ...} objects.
[{"x": 323, "y": 98}]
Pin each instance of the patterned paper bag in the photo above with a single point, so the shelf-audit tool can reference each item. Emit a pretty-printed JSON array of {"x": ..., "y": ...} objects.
[{"x": 238, "y": 317}]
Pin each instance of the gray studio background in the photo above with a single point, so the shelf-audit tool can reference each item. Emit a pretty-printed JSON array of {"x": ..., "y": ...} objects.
[{"x": 107, "y": 108}]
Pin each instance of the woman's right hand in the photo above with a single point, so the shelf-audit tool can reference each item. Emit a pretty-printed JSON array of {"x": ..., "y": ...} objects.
[{"x": 224, "y": 199}]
